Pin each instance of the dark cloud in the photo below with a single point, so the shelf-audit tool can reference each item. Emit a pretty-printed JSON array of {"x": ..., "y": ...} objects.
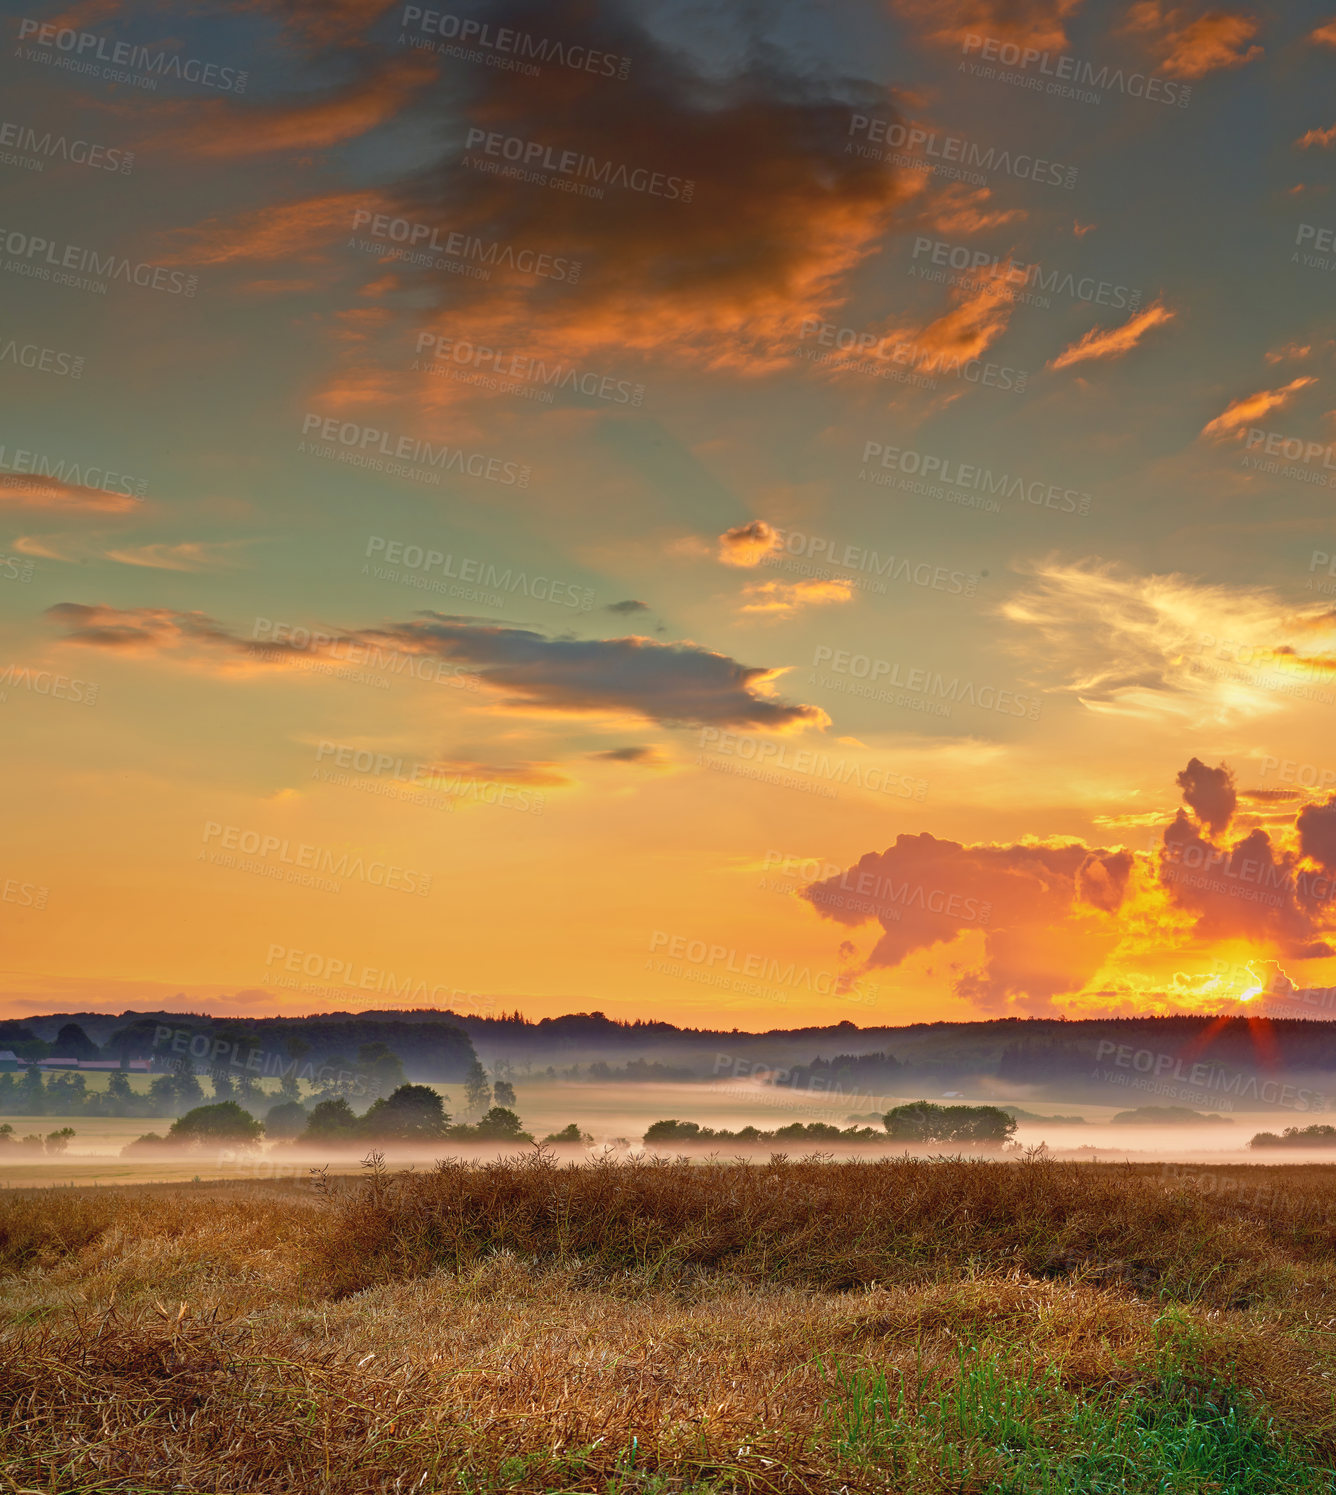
[
  {"x": 1316, "y": 825},
  {"x": 639, "y": 755},
  {"x": 724, "y": 210},
  {"x": 1252, "y": 889},
  {"x": 675, "y": 684},
  {"x": 1209, "y": 793},
  {"x": 629, "y": 606}
]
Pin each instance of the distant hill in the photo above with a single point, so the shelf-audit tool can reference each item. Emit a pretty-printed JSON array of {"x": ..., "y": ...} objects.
[{"x": 1204, "y": 1062}]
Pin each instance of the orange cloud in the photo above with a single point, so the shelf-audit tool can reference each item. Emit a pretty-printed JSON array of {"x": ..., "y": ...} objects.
[
  {"x": 1113, "y": 342},
  {"x": 223, "y": 128},
  {"x": 980, "y": 316},
  {"x": 1289, "y": 350},
  {"x": 1191, "y": 48},
  {"x": 29, "y": 491},
  {"x": 1325, "y": 35},
  {"x": 1029, "y": 23},
  {"x": 747, "y": 544},
  {"x": 785, "y": 599},
  {"x": 965, "y": 210},
  {"x": 301, "y": 230},
  {"x": 1323, "y": 138},
  {"x": 1242, "y": 413}
]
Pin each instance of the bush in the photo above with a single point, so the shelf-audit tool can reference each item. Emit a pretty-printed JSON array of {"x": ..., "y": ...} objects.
[{"x": 571, "y": 1133}]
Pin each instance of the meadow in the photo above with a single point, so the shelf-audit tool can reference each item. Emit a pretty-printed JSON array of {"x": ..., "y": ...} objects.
[{"x": 531, "y": 1325}]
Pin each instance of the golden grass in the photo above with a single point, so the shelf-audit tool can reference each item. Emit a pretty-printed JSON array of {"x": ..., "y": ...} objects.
[{"x": 530, "y": 1328}]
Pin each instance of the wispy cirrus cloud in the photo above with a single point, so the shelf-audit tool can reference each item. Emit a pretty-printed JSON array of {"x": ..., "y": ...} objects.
[
  {"x": 1187, "y": 42},
  {"x": 1114, "y": 342},
  {"x": 1029, "y": 23},
  {"x": 56, "y": 495},
  {"x": 1154, "y": 646},
  {"x": 1239, "y": 414}
]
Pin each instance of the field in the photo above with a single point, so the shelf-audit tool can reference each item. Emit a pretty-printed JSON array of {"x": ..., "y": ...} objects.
[{"x": 531, "y": 1326}]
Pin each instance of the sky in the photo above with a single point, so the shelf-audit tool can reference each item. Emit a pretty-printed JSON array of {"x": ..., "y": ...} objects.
[{"x": 750, "y": 515}]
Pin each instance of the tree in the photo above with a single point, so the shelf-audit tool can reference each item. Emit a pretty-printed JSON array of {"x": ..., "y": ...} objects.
[
  {"x": 223, "y": 1122},
  {"x": 223, "y": 1088},
  {"x": 32, "y": 1097},
  {"x": 571, "y": 1133},
  {"x": 672, "y": 1131},
  {"x": 330, "y": 1121},
  {"x": 286, "y": 1119},
  {"x": 384, "y": 1072},
  {"x": 186, "y": 1089},
  {"x": 477, "y": 1089},
  {"x": 57, "y": 1142},
  {"x": 922, "y": 1121},
  {"x": 500, "y": 1125},
  {"x": 73, "y": 1043},
  {"x": 288, "y": 1087},
  {"x": 504, "y": 1093},
  {"x": 414, "y": 1113}
]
